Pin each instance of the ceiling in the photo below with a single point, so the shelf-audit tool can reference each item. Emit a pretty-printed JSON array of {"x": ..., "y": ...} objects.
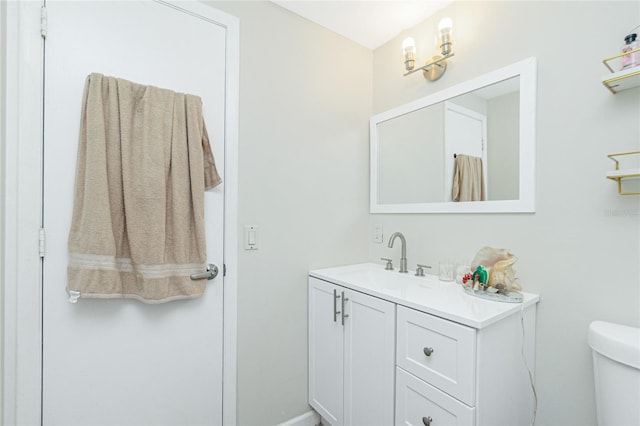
[{"x": 369, "y": 23}]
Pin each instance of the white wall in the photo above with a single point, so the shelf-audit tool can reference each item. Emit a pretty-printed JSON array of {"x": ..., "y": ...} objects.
[
  {"x": 410, "y": 152},
  {"x": 305, "y": 101},
  {"x": 502, "y": 147},
  {"x": 580, "y": 250}
]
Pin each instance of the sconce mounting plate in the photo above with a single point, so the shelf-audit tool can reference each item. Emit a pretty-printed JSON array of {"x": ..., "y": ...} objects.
[{"x": 435, "y": 68}]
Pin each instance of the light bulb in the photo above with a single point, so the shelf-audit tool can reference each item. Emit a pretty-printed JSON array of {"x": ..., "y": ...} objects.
[
  {"x": 409, "y": 50},
  {"x": 444, "y": 28},
  {"x": 445, "y": 25},
  {"x": 409, "y": 45}
]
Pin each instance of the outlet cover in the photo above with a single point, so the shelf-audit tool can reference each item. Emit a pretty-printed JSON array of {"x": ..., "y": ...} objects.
[{"x": 377, "y": 235}]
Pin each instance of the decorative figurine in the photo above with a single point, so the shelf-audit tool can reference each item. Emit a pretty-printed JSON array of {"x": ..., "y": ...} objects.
[{"x": 499, "y": 263}]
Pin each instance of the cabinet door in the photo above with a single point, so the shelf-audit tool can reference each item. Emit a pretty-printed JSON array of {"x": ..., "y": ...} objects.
[
  {"x": 418, "y": 404},
  {"x": 369, "y": 360},
  {"x": 326, "y": 350}
]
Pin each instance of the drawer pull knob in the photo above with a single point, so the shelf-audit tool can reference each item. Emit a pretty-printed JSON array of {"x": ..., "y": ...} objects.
[
  {"x": 427, "y": 421},
  {"x": 428, "y": 351}
]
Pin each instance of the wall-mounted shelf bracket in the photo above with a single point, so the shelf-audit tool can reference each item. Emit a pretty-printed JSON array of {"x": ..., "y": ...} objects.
[{"x": 619, "y": 175}]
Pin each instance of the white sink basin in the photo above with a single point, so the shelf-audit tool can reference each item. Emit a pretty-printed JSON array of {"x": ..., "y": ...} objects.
[
  {"x": 426, "y": 294},
  {"x": 375, "y": 276}
]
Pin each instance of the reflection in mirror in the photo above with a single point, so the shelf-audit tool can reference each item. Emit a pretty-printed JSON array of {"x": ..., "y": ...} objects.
[
  {"x": 423, "y": 145},
  {"x": 406, "y": 146},
  {"x": 466, "y": 149}
]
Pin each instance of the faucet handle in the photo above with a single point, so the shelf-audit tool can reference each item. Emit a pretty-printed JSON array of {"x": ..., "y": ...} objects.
[
  {"x": 420, "y": 270},
  {"x": 389, "y": 265}
]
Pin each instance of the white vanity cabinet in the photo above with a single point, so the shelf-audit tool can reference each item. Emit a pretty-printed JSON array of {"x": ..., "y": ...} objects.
[
  {"x": 441, "y": 357},
  {"x": 351, "y": 355},
  {"x": 452, "y": 374},
  {"x": 455, "y": 359}
]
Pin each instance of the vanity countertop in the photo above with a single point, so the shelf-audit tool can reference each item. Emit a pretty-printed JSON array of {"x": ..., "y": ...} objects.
[{"x": 427, "y": 294}]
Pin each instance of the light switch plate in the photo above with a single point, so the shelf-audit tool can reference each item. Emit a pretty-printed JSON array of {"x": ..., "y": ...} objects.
[{"x": 250, "y": 237}]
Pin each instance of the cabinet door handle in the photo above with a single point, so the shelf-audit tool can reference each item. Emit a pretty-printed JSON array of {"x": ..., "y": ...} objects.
[
  {"x": 335, "y": 305},
  {"x": 427, "y": 351},
  {"x": 344, "y": 299},
  {"x": 427, "y": 421}
]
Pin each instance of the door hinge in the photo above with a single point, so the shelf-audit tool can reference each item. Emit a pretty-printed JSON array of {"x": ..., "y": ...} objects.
[
  {"x": 224, "y": 269},
  {"x": 41, "y": 242},
  {"x": 44, "y": 25}
]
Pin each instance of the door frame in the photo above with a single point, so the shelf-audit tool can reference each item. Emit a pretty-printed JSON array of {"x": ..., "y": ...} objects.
[{"x": 22, "y": 202}]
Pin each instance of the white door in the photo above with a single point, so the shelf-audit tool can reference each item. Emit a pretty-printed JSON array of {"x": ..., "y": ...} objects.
[
  {"x": 465, "y": 132},
  {"x": 122, "y": 362}
]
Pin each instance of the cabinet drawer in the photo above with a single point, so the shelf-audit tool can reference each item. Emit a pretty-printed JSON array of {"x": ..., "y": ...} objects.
[
  {"x": 440, "y": 352},
  {"x": 420, "y": 404}
]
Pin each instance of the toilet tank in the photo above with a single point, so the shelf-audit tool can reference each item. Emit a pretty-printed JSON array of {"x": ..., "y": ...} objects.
[{"x": 616, "y": 365}]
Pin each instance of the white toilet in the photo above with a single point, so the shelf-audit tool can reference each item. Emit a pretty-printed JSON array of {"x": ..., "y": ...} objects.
[{"x": 616, "y": 365}]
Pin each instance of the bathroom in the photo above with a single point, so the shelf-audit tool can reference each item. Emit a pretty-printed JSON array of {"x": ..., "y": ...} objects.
[{"x": 305, "y": 98}]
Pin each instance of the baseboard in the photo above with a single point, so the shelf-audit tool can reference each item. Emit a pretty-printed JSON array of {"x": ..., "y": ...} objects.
[{"x": 310, "y": 418}]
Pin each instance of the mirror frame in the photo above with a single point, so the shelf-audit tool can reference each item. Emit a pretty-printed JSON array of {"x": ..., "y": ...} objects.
[{"x": 526, "y": 70}]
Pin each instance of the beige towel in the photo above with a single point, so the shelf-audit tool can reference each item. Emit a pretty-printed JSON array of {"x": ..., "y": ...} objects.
[
  {"x": 144, "y": 162},
  {"x": 468, "y": 179}
]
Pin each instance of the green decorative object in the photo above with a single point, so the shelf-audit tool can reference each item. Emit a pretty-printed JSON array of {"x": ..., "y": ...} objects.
[{"x": 481, "y": 275}]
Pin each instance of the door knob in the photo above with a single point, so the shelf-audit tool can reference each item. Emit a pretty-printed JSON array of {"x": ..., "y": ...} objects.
[
  {"x": 209, "y": 274},
  {"x": 427, "y": 351},
  {"x": 427, "y": 421}
]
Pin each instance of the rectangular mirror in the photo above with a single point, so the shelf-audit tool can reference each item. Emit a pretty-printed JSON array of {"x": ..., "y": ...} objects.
[{"x": 467, "y": 149}]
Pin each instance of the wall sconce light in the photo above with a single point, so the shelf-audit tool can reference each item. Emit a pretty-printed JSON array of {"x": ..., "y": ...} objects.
[{"x": 437, "y": 65}]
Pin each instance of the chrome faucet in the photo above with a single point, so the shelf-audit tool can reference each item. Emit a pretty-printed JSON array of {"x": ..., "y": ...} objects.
[{"x": 403, "y": 258}]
